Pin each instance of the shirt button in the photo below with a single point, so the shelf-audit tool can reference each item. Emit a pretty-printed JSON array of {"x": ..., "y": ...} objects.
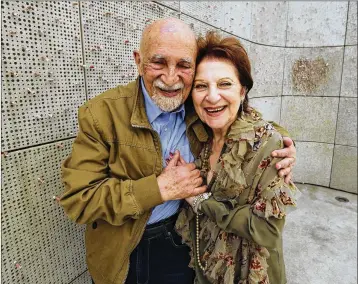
[{"x": 165, "y": 129}]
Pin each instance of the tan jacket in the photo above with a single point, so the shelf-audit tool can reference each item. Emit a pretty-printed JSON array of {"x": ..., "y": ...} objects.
[{"x": 110, "y": 177}]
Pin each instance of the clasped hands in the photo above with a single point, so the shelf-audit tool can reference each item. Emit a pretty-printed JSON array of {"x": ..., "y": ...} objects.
[{"x": 181, "y": 180}]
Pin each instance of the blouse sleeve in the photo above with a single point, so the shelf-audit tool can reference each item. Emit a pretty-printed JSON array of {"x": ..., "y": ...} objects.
[{"x": 262, "y": 218}]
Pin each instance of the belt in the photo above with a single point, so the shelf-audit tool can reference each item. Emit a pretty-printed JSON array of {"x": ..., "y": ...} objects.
[{"x": 163, "y": 226}]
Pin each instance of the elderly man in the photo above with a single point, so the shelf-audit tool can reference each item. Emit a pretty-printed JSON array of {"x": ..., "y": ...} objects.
[{"x": 119, "y": 179}]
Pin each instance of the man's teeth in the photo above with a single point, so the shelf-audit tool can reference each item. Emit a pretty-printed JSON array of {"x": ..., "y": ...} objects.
[
  {"x": 168, "y": 91},
  {"x": 215, "y": 109}
]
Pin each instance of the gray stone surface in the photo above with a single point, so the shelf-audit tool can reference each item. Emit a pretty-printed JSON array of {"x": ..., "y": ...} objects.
[
  {"x": 347, "y": 122},
  {"x": 351, "y": 37},
  {"x": 267, "y": 70},
  {"x": 344, "y": 168},
  {"x": 269, "y": 107},
  {"x": 316, "y": 23},
  {"x": 314, "y": 162},
  {"x": 210, "y": 12},
  {"x": 237, "y": 18},
  {"x": 198, "y": 27},
  {"x": 313, "y": 71},
  {"x": 269, "y": 22},
  {"x": 349, "y": 78},
  {"x": 310, "y": 118},
  {"x": 320, "y": 238}
]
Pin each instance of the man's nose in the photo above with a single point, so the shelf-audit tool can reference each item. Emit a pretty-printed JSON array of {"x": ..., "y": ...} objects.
[{"x": 171, "y": 77}]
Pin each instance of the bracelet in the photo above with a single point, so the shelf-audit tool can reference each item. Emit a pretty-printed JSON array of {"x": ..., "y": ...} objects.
[{"x": 198, "y": 199}]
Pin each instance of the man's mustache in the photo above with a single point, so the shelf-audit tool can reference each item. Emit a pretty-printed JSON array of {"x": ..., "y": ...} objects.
[{"x": 160, "y": 84}]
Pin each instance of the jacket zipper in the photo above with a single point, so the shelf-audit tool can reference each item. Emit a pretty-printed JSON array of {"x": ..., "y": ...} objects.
[{"x": 141, "y": 234}]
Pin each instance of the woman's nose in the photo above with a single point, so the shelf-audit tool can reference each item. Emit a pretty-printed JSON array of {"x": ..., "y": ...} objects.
[{"x": 213, "y": 95}]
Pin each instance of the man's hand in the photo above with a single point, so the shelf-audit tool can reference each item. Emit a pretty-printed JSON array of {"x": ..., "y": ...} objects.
[
  {"x": 289, "y": 154},
  {"x": 179, "y": 180}
]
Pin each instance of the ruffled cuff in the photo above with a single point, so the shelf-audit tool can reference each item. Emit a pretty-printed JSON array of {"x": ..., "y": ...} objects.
[{"x": 276, "y": 200}]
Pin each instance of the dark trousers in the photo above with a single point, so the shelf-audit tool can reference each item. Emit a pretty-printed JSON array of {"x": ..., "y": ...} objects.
[{"x": 160, "y": 257}]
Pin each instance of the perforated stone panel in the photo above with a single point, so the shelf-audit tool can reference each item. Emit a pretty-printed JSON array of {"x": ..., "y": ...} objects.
[
  {"x": 39, "y": 244},
  {"x": 316, "y": 23},
  {"x": 84, "y": 278},
  {"x": 310, "y": 119},
  {"x": 175, "y": 5},
  {"x": 42, "y": 77},
  {"x": 267, "y": 70},
  {"x": 311, "y": 157},
  {"x": 112, "y": 30},
  {"x": 313, "y": 71}
]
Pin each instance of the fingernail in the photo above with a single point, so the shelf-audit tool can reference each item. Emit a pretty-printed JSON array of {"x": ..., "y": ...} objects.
[{"x": 278, "y": 166}]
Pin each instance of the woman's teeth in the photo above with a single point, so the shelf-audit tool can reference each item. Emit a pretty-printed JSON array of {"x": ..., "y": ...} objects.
[{"x": 212, "y": 110}]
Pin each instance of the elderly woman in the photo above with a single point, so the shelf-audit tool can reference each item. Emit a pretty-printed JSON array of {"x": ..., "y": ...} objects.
[{"x": 235, "y": 228}]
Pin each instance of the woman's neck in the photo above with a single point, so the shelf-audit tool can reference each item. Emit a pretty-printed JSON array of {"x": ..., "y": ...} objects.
[{"x": 218, "y": 138}]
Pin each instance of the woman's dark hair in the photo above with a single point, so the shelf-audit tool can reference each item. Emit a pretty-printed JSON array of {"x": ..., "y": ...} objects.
[{"x": 229, "y": 48}]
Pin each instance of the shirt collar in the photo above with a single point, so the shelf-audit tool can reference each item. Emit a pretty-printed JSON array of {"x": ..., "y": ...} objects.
[{"x": 153, "y": 111}]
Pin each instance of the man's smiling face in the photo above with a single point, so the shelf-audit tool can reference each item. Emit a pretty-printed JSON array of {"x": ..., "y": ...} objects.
[{"x": 166, "y": 62}]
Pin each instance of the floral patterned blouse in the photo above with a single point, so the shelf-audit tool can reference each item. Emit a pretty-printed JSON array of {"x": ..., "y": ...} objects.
[{"x": 241, "y": 225}]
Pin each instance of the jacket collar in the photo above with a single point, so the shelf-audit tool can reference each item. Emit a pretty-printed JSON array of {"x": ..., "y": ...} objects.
[
  {"x": 139, "y": 116},
  {"x": 192, "y": 120}
]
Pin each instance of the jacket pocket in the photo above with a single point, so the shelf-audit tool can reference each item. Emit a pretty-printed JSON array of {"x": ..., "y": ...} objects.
[{"x": 134, "y": 162}]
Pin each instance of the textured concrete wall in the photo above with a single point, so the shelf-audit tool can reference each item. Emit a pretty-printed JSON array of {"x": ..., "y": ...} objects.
[
  {"x": 305, "y": 72},
  {"x": 57, "y": 55}
]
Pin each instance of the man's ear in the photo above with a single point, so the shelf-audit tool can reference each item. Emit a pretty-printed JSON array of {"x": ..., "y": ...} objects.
[{"x": 137, "y": 60}]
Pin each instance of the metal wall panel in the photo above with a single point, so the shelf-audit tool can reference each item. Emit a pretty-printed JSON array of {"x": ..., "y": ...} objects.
[
  {"x": 39, "y": 244},
  {"x": 112, "y": 30},
  {"x": 42, "y": 77}
]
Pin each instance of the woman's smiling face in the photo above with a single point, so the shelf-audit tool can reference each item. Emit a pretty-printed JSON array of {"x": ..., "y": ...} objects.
[{"x": 217, "y": 93}]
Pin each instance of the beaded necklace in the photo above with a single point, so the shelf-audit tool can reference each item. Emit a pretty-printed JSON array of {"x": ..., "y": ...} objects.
[{"x": 205, "y": 169}]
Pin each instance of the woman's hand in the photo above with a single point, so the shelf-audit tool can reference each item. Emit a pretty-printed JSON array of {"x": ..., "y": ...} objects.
[{"x": 289, "y": 154}]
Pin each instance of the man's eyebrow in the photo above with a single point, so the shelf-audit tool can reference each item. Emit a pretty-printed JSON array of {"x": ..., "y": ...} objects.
[
  {"x": 157, "y": 57},
  {"x": 188, "y": 60}
]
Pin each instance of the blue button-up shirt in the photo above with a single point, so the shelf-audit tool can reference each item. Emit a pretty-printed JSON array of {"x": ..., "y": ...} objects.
[{"x": 171, "y": 129}]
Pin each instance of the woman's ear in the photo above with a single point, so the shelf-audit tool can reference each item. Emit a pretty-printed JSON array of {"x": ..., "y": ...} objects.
[{"x": 243, "y": 91}]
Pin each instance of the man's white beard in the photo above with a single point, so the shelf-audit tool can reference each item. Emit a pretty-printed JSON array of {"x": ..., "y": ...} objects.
[{"x": 167, "y": 104}]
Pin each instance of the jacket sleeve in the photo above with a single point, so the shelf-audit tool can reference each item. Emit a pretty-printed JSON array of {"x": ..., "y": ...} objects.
[
  {"x": 90, "y": 192},
  {"x": 263, "y": 219}
]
